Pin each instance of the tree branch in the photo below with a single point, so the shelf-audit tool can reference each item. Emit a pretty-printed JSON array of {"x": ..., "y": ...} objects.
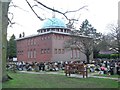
[
  {"x": 10, "y": 20},
  {"x": 52, "y": 9},
  {"x": 75, "y": 10},
  {"x": 64, "y": 14},
  {"x": 37, "y": 6},
  {"x": 17, "y": 7},
  {"x": 41, "y": 19}
]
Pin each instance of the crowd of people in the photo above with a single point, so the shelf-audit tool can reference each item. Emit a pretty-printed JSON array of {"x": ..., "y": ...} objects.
[
  {"x": 38, "y": 66},
  {"x": 106, "y": 67},
  {"x": 102, "y": 67}
]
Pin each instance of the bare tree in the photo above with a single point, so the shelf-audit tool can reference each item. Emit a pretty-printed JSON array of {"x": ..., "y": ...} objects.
[
  {"x": 82, "y": 43},
  {"x": 114, "y": 38},
  {"x": 86, "y": 46}
]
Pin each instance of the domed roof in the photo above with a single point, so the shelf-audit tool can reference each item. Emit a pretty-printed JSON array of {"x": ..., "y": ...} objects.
[{"x": 53, "y": 23}]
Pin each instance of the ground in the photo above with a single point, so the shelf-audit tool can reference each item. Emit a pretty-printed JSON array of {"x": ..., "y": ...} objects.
[{"x": 25, "y": 80}]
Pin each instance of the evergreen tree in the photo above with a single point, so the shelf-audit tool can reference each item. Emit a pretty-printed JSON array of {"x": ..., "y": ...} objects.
[
  {"x": 87, "y": 29},
  {"x": 12, "y": 47}
]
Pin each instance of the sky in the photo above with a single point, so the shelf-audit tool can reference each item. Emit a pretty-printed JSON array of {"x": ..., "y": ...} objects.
[{"x": 100, "y": 13}]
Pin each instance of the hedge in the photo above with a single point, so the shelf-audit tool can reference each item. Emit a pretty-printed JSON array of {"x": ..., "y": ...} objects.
[{"x": 108, "y": 56}]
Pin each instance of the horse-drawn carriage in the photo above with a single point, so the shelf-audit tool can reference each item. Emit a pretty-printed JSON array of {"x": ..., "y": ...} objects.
[{"x": 78, "y": 68}]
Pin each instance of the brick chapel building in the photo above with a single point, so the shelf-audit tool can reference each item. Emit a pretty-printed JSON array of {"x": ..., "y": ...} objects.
[{"x": 48, "y": 44}]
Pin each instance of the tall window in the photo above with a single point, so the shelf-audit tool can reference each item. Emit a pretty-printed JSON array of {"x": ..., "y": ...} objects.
[
  {"x": 28, "y": 42},
  {"x": 55, "y": 51},
  {"x": 34, "y": 53},
  {"x": 62, "y": 37},
  {"x": 42, "y": 38},
  {"x": 42, "y": 51},
  {"x": 71, "y": 53},
  {"x": 48, "y": 37},
  {"x": 31, "y": 41},
  {"x": 55, "y": 36},
  {"x": 28, "y": 54},
  {"x": 22, "y": 52},
  {"x": 63, "y": 51},
  {"x": 48, "y": 50},
  {"x": 75, "y": 53},
  {"x": 78, "y": 52},
  {"x": 59, "y": 51},
  {"x": 59, "y": 37},
  {"x": 31, "y": 54},
  {"x": 34, "y": 41}
]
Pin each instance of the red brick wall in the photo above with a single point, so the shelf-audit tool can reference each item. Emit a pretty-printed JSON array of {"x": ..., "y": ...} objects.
[
  {"x": 41, "y": 42},
  {"x": 47, "y": 43},
  {"x": 58, "y": 43}
]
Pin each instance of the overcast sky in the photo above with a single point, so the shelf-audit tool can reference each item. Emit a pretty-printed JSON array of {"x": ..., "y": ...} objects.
[{"x": 100, "y": 13}]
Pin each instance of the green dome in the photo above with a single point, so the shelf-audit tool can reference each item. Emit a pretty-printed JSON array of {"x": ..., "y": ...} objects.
[{"x": 53, "y": 23}]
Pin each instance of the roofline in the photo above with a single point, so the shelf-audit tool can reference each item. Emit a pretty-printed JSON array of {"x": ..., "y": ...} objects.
[
  {"x": 35, "y": 35},
  {"x": 55, "y": 27}
]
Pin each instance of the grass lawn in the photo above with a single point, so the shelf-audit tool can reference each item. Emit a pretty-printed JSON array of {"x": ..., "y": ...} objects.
[
  {"x": 22, "y": 80},
  {"x": 106, "y": 75},
  {"x": 0, "y": 86}
]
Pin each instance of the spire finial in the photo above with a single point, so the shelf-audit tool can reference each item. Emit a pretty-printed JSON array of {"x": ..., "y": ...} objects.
[{"x": 53, "y": 14}]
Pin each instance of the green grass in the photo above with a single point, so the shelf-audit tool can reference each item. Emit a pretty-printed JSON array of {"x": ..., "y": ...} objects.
[
  {"x": 0, "y": 85},
  {"x": 106, "y": 75},
  {"x": 22, "y": 80}
]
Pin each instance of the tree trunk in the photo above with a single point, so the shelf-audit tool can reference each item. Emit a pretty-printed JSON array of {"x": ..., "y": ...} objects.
[
  {"x": 88, "y": 58},
  {"x": 4, "y": 5}
]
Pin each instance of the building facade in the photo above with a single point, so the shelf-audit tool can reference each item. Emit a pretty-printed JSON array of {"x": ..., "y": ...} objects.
[{"x": 48, "y": 44}]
